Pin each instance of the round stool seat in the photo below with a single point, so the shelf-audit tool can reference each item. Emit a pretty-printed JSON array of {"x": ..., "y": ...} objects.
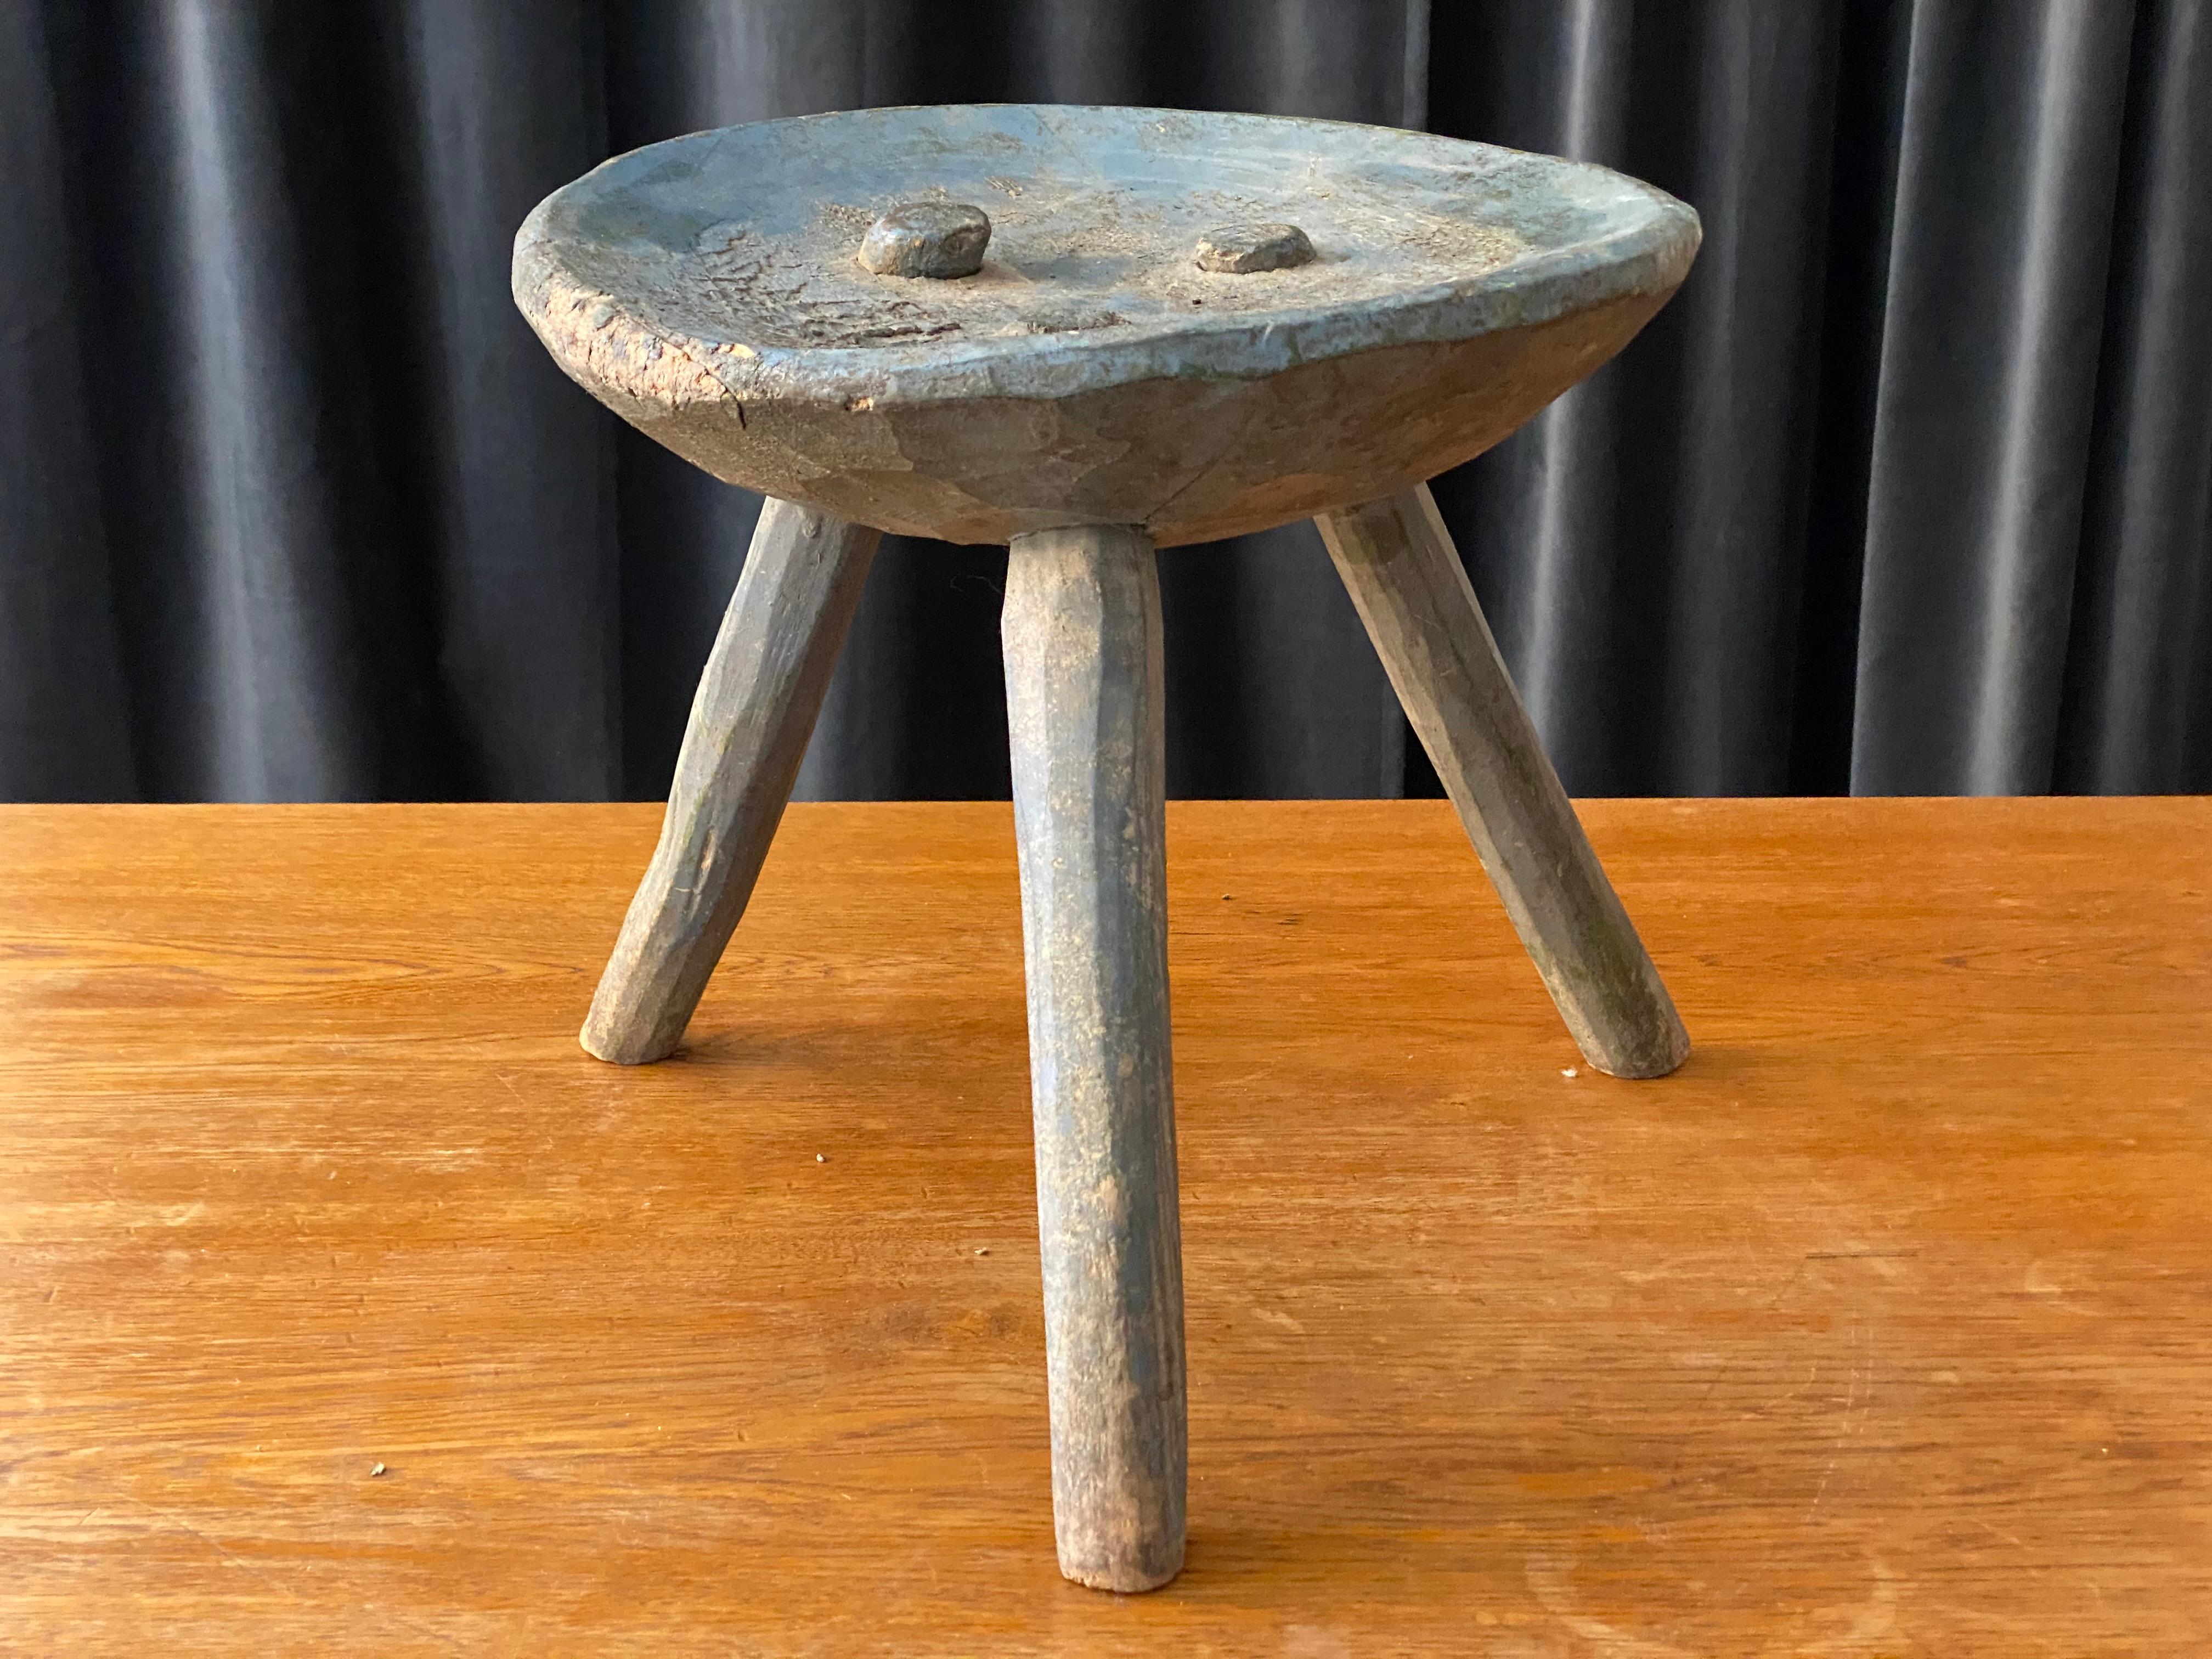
[{"x": 1090, "y": 370}]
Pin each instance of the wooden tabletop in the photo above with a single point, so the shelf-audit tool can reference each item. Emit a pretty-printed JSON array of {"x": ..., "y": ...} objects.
[{"x": 1881, "y": 1328}]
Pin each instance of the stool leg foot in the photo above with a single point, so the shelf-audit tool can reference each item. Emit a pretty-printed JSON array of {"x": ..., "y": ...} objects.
[
  {"x": 1084, "y": 692},
  {"x": 1405, "y": 577},
  {"x": 754, "y": 711}
]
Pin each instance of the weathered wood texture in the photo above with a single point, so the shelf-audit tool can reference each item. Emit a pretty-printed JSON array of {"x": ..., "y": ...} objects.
[
  {"x": 706, "y": 290},
  {"x": 1407, "y": 582},
  {"x": 1084, "y": 711},
  {"x": 940, "y": 241},
  {"x": 1876, "y": 1330},
  {"x": 755, "y": 709}
]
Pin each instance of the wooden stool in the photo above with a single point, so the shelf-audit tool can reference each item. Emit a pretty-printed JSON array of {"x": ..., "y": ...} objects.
[{"x": 1089, "y": 333}]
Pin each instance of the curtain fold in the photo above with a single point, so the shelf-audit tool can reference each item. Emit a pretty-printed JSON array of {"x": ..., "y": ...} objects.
[
  {"x": 226, "y": 404},
  {"x": 1993, "y": 323},
  {"x": 64, "y": 714},
  {"x": 1909, "y": 489},
  {"x": 509, "y": 478},
  {"x": 2137, "y": 709}
]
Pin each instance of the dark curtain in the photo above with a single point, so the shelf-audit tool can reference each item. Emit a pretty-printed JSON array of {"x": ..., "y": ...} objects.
[{"x": 1908, "y": 490}]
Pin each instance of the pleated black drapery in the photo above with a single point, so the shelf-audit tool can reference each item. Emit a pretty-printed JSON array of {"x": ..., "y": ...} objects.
[{"x": 1908, "y": 490}]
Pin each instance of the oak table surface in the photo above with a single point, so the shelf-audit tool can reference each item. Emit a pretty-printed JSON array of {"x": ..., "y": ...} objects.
[{"x": 1879, "y": 1329}]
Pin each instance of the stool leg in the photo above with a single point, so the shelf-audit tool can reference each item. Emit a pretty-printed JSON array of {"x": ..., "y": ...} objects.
[
  {"x": 1084, "y": 691},
  {"x": 1405, "y": 577},
  {"x": 755, "y": 709}
]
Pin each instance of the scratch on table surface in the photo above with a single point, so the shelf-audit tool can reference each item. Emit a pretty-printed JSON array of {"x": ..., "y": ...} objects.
[
  {"x": 1873, "y": 1619},
  {"x": 1850, "y": 1431},
  {"x": 274, "y": 1581},
  {"x": 1721, "y": 1369},
  {"x": 1550, "y": 1577},
  {"x": 170, "y": 1518},
  {"x": 505, "y": 1082}
]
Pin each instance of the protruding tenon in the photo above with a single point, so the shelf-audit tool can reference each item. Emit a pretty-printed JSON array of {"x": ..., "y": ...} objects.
[
  {"x": 1240, "y": 248},
  {"x": 927, "y": 239}
]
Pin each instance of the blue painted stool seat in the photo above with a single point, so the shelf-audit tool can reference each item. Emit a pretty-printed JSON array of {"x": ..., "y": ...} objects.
[{"x": 709, "y": 289}]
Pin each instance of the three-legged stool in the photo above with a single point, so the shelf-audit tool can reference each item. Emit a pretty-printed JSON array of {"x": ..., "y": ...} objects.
[{"x": 1089, "y": 333}]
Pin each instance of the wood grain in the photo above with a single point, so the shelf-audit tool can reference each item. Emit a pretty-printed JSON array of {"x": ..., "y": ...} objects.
[
  {"x": 1407, "y": 582},
  {"x": 1085, "y": 705},
  {"x": 1877, "y": 1329},
  {"x": 758, "y": 698}
]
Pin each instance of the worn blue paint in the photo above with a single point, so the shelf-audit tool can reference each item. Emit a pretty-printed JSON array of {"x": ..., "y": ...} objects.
[
  {"x": 710, "y": 290},
  {"x": 1141, "y": 185}
]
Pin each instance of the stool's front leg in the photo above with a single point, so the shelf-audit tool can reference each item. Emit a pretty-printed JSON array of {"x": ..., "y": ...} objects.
[
  {"x": 1083, "y": 670},
  {"x": 1405, "y": 577},
  {"x": 755, "y": 709}
]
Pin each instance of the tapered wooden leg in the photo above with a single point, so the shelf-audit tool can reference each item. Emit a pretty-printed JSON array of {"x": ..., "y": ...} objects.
[
  {"x": 1082, "y": 636},
  {"x": 754, "y": 711},
  {"x": 1405, "y": 579}
]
